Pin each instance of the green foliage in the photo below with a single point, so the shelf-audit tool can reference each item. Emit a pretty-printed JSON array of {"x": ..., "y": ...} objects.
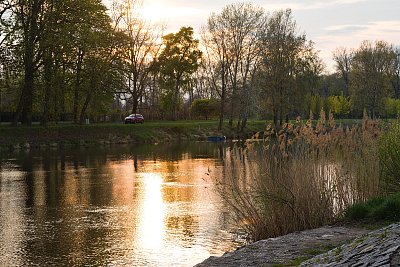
[
  {"x": 376, "y": 209},
  {"x": 340, "y": 105},
  {"x": 291, "y": 61},
  {"x": 179, "y": 59},
  {"x": 204, "y": 108},
  {"x": 59, "y": 52},
  {"x": 180, "y": 54},
  {"x": 369, "y": 76},
  {"x": 314, "y": 103},
  {"x": 167, "y": 104},
  {"x": 389, "y": 158},
  {"x": 69, "y": 57},
  {"x": 392, "y": 107}
]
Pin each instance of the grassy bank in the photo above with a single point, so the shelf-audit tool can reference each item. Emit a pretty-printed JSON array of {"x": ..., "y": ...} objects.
[
  {"x": 377, "y": 209},
  {"x": 148, "y": 132}
]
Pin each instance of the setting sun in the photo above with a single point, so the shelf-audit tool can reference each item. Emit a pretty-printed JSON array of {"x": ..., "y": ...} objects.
[{"x": 156, "y": 11}]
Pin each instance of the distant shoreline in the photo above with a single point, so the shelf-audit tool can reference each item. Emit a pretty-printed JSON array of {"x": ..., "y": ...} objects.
[{"x": 36, "y": 137}]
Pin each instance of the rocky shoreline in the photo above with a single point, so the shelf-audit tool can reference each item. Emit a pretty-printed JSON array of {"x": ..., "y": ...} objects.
[{"x": 334, "y": 246}]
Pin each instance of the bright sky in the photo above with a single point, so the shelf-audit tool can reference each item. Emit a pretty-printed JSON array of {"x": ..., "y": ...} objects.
[{"x": 330, "y": 23}]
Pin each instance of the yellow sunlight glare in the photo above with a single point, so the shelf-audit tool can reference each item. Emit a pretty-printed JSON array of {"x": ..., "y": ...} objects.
[{"x": 155, "y": 11}]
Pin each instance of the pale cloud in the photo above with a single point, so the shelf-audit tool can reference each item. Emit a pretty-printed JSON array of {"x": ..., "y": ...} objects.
[
  {"x": 313, "y": 5},
  {"x": 157, "y": 10},
  {"x": 351, "y": 36},
  {"x": 378, "y": 29}
]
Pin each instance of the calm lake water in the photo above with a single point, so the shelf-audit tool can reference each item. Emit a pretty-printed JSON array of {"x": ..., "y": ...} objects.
[{"x": 147, "y": 205}]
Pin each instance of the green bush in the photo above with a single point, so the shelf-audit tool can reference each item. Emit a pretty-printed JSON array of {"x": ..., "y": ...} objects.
[
  {"x": 206, "y": 108},
  {"x": 376, "y": 209},
  {"x": 340, "y": 105},
  {"x": 357, "y": 212},
  {"x": 392, "y": 107}
]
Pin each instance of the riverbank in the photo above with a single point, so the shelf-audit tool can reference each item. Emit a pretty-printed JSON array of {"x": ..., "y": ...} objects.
[
  {"x": 325, "y": 246},
  {"x": 23, "y": 137}
]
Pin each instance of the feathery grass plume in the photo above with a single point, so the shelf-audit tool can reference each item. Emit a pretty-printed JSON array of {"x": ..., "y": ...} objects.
[{"x": 301, "y": 176}]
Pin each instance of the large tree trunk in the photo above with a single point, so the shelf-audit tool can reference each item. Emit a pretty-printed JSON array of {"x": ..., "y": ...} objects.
[
  {"x": 231, "y": 115},
  {"x": 221, "y": 111},
  {"x": 48, "y": 77},
  {"x": 63, "y": 116},
  {"x": 275, "y": 111},
  {"x": 77, "y": 84},
  {"x": 223, "y": 96},
  {"x": 396, "y": 87},
  {"x": 135, "y": 104},
  {"x": 135, "y": 95},
  {"x": 175, "y": 100},
  {"x": 24, "y": 108},
  {"x": 244, "y": 123},
  {"x": 84, "y": 107}
]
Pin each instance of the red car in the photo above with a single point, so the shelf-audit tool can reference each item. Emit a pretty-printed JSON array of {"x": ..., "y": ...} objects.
[{"x": 134, "y": 118}]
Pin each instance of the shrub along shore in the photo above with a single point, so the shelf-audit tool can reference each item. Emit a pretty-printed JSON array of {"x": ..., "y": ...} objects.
[{"x": 23, "y": 137}]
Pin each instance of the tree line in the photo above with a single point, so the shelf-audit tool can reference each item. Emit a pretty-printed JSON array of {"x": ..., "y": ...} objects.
[{"x": 74, "y": 59}]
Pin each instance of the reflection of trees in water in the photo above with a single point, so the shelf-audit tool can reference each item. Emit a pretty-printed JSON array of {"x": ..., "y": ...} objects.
[{"x": 70, "y": 194}]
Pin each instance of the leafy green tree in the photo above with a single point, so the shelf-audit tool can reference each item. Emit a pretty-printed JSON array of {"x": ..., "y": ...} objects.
[
  {"x": 392, "y": 107},
  {"x": 92, "y": 28},
  {"x": 314, "y": 103},
  {"x": 370, "y": 82},
  {"x": 308, "y": 81},
  {"x": 51, "y": 46},
  {"x": 27, "y": 24},
  {"x": 340, "y": 105},
  {"x": 179, "y": 59},
  {"x": 167, "y": 104},
  {"x": 286, "y": 55},
  {"x": 204, "y": 108},
  {"x": 395, "y": 73},
  {"x": 50, "y": 43}
]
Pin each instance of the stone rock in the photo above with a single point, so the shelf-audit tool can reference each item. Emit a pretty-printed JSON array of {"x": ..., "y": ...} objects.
[
  {"x": 377, "y": 248},
  {"x": 284, "y": 249}
]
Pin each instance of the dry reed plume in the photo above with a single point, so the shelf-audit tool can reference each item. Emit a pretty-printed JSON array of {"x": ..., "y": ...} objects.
[{"x": 302, "y": 176}]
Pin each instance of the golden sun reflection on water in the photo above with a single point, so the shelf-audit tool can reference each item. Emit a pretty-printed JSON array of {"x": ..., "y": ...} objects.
[
  {"x": 165, "y": 199},
  {"x": 151, "y": 225},
  {"x": 125, "y": 211}
]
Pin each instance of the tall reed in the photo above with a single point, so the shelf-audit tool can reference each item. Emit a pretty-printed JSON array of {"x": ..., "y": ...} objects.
[
  {"x": 389, "y": 158},
  {"x": 302, "y": 176}
]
